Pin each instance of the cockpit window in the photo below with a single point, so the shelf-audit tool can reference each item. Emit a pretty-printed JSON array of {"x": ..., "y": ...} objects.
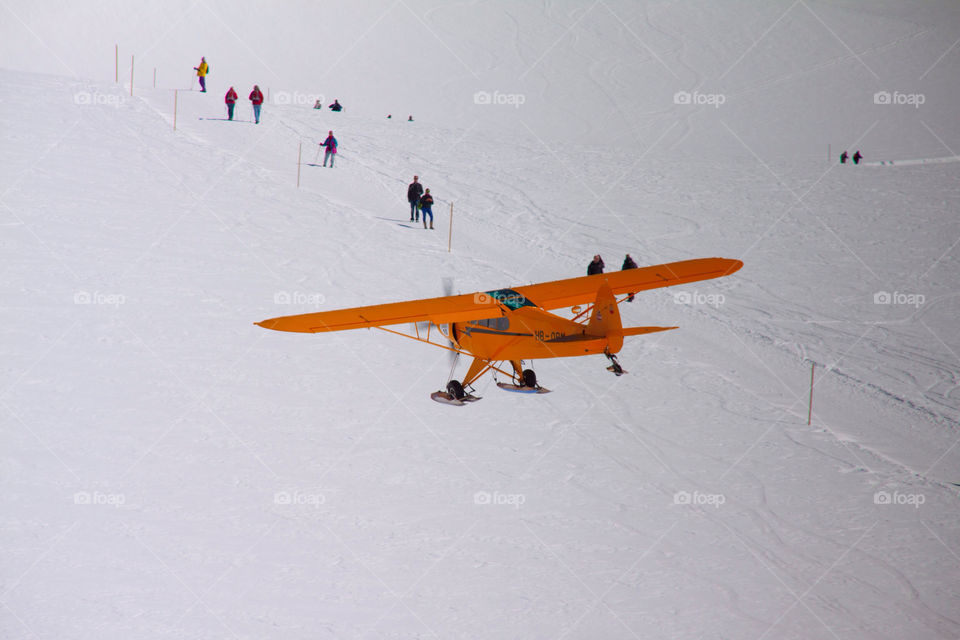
[{"x": 510, "y": 299}]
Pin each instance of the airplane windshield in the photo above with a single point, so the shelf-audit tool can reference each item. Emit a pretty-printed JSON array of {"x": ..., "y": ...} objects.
[{"x": 510, "y": 299}]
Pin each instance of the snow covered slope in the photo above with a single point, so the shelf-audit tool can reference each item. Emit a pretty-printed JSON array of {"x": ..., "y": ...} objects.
[{"x": 171, "y": 470}]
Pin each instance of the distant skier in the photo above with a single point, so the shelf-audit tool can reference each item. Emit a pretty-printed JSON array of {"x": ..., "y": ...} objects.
[
  {"x": 595, "y": 266},
  {"x": 330, "y": 149},
  {"x": 843, "y": 158},
  {"x": 256, "y": 97},
  {"x": 202, "y": 72},
  {"x": 336, "y": 106},
  {"x": 414, "y": 191},
  {"x": 857, "y": 157},
  {"x": 231, "y": 100},
  {"x": 410, "y": 119},
  {"x": 426, "y": 206},
  {"x": 628, "y": 263}
]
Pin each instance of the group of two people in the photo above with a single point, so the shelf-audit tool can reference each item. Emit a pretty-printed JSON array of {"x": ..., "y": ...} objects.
[
  {"x": 255, "y": 97},
  {"x": 856, "y": 157},
  {"x": 420, "y": 201},
  {"x": 596, "y": 266},
  {"x": 336, "y": 106}
]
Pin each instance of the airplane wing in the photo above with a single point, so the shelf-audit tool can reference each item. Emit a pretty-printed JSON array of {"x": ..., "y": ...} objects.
[
  {"x": 583, "y": 290},
  {"x": 480, "y": 306},
  {"x": 443, "y": 310}
]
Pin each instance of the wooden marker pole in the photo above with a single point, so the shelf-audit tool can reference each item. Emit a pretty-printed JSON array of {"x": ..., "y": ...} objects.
[
  {"x": 450, "y": 235},
  {"x": 810, "y": 408},
  {"x": 299, "y": 154},
  {"x": 131, "y": 75},
  {"x": 175, "y": 92}
]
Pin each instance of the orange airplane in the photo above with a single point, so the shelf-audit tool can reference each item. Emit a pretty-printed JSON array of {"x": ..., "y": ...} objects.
[{"x": 513, "y": 325}]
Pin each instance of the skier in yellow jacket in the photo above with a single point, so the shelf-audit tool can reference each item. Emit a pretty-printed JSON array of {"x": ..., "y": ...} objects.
[{"x": 202, "y": 73}]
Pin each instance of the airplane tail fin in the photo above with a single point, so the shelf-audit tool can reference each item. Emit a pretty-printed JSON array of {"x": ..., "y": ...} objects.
[{"x": 605, "y": 318}]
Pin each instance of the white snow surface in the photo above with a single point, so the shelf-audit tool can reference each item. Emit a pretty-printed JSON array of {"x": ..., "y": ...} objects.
[{"x": 171, "y": 470}]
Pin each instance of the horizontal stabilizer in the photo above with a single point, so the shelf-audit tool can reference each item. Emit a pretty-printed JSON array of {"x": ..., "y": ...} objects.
[{"x": 636, "y": 331}]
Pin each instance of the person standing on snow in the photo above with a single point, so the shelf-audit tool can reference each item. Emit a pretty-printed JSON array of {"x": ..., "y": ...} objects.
[
  {"x": 231, "y": 100},
  {"x": 330, "y": 149},
  {"x": 628, "y": 263},
  {"x": 202, "y": 72},
  {"x": 414, "y": 191},
  {"x": 595, "y": 266},
  {"x": 426, "y": 206},
  {"x": 256, "y": 97},
  {"x": 856, "y": 157},
  {"x": 843, "y": 158}
]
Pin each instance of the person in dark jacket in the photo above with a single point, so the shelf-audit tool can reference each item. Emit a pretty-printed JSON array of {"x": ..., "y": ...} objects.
[
  {"x": 336, "y": 106},
  {"x": 628, "y": 263},
  {"x": 843, "y": 158},
  {"x": 856, "y": 157},
  {"x": 414, "y": 191},
  {"x": 330, "y": 149},
  {"x": 595, "y": 266},
  {"x": 426, "y": 206},
  {"x": 256, "y": 97}
]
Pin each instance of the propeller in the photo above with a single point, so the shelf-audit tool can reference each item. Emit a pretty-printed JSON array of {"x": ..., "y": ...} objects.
[{"x": 447, "y": 285}]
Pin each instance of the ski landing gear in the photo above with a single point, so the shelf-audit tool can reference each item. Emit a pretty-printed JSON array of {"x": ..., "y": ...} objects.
[
  {"x": 455, "y": 395},
  {"x": 614, "y": 364},
  {"x": 526, "y": 378}
]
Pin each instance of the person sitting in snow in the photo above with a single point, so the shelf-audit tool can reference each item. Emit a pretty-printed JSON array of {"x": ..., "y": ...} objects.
[
  {"x": 595, "y": 266},
  {"x": 336, "y": 106},
  {"x": 317, "y": 105}
]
